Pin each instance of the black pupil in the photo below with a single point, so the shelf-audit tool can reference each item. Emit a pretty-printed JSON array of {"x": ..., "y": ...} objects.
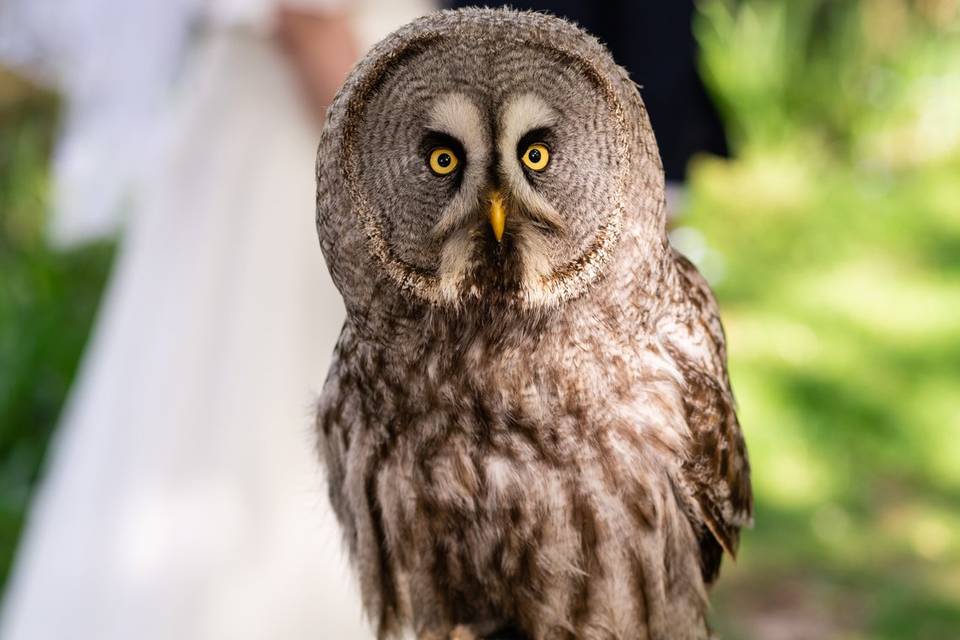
[
  {"x": 534, "y": 155},
  {"x": 444, "y": 160}
]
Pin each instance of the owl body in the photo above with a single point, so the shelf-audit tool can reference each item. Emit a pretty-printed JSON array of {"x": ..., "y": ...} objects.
[{"x": 528, "y": 423}]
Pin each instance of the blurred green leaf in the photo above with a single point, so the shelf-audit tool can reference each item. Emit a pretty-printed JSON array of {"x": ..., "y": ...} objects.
[
  {"x": 838, "y": 227},
  {"x": 47, "y": 303}
]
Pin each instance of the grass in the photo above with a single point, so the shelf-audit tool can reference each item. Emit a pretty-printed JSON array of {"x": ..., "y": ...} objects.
[{"x": 832, "y": 238}]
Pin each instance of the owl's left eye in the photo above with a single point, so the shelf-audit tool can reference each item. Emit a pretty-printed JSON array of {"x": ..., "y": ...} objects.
[
  {"x": 536, "y": 157},
  {"x": 443, "y": 161}
]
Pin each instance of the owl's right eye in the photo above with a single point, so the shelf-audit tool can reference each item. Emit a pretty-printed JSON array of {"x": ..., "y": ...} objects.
[{"x": 443, "y": 161}]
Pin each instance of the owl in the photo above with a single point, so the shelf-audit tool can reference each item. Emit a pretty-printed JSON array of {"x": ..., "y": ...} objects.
[{"x": 528, "y": 427}]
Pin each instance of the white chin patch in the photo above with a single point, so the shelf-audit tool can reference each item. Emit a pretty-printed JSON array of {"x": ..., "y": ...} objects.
[
  {"x": 535, "y": 257},
  {"x": 456, "y": 261}
]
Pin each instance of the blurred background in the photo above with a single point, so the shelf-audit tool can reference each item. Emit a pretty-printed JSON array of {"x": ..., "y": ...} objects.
[{"x": 831, "y": 234}]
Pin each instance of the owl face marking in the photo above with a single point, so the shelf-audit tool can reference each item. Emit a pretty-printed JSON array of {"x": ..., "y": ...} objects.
[
  {"x": 497, "y": 189},
  {"x": 526, "y": 207}
]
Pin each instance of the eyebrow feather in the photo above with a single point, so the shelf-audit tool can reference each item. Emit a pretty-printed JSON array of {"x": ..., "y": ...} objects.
[
  {"x": 525, "y": 113},
  {"x": 455, "y": 115}
]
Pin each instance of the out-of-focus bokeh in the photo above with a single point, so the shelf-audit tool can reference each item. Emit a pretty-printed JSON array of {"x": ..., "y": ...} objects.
[
  {"x": 832, "y": 237},
  {"x": 48, "y": 299}
]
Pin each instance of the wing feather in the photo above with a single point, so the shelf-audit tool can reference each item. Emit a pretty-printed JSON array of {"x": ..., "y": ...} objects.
[{"x": 715, "y": 470}]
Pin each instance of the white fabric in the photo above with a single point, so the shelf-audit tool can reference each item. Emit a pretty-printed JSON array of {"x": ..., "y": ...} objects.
[
  {"x": 257, "y": 15},
  {"x": 114, "y": 62},
  {"x": 183, "y": 500}
]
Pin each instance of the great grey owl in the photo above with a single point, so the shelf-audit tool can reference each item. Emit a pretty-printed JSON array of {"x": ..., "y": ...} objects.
[{"x": 528, "y": 425}]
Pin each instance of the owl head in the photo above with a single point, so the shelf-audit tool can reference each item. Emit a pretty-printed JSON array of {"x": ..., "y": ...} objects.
[{"x": 485, "y": 158}]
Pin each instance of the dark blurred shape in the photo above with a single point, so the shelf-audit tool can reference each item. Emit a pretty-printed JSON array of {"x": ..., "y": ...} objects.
[{"x": 654, "y": 41}]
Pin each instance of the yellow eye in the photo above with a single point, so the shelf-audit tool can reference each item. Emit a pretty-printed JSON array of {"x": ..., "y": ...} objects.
[
  {"x": 443, "y": 161},
  {"x": 536, "y": 157}
]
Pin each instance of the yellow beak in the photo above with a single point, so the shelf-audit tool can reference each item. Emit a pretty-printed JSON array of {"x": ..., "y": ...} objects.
[{"x": 498, "y": 214}]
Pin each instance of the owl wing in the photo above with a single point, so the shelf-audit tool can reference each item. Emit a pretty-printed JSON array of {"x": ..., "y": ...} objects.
[{"x": 715, "y": 469}]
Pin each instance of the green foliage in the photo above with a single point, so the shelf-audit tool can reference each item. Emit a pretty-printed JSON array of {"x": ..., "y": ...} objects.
[
  {"x": 833, "y": 238},
  {"x": 47, "y": 302}
]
